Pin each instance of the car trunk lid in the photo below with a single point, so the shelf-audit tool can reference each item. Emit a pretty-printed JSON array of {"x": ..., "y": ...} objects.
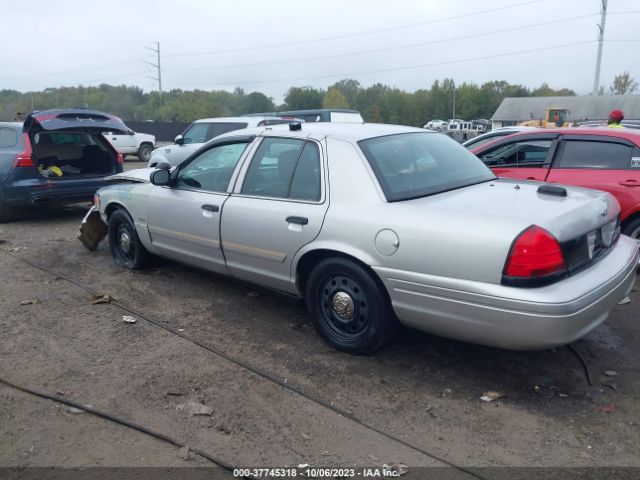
[{"x": 73, "y": 119}]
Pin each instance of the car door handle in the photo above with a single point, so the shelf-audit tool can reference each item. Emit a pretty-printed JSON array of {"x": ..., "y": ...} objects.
[
  {"x": 298, "y": 220},
  {"x": 211, "y": 208},
  {"x": 531, "y": 178},
  {"x": 630, "y": 183}
]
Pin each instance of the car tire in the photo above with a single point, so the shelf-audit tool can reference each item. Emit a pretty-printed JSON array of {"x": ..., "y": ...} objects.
[
  {"x": 126, "y": 248},
  {"x": 632, "y": 229},
  {"x": 144, "y": 152},
  {"x": 7, "y": 213},
  {"x": 349, "y": 307}
]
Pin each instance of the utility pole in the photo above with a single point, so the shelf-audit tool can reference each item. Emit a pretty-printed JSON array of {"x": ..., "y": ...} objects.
[
  {"x": 156, "y": 66},
  {"x": 454, "y": 100},
  {"x": 603, "y": 18}
]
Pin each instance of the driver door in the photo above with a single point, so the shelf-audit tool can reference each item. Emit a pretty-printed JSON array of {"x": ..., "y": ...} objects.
[{"x": 183, "y": 220}]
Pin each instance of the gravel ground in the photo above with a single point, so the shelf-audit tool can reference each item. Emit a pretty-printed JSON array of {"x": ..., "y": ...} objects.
[{"x": 416, "y": 402}]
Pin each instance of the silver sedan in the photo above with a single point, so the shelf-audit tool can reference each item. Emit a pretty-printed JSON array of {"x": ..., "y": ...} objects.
[{"x": 376, "y": 226}]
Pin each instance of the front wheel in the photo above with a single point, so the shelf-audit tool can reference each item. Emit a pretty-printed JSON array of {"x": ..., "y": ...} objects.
[
  {"x": 126, "y": 248},
  {"x": 349, "y": 307},
  {"x": 632, "y": 229},
  {"x": 144, "y": 152}
]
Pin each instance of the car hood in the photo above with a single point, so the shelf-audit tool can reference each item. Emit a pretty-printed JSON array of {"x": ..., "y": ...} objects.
[
  {"x": 73, "y": 119},
  {"x": 141, "y": 175}
]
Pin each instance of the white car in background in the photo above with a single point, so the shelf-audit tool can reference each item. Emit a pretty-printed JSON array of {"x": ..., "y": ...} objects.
[
  {"x": 201, "y": 131},
  {"x": 133, "y": 143},
  {"x": 436, "y": 125}
]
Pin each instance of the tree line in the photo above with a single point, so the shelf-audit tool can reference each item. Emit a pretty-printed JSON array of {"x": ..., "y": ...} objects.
[{"x": 377, "y": 103}]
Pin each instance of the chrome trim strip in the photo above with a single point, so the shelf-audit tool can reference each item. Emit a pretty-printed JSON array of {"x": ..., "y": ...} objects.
[
  {"x": 255, "y": 251},
  {"x": 207, "y": 242}
]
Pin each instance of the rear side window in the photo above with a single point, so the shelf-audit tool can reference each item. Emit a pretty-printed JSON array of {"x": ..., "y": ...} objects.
[
  {"x": 524, "y": 154},
  {"x": 284, "y": 168},
  {"x": 8, "y": 137},
  {"x": 635, "y": 159},
  {"x": 597, "y": 155},
  {"x": 220, "y": 128}
]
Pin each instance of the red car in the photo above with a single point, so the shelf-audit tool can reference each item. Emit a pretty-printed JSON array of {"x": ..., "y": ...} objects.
[{"x": 601, "y": 158}]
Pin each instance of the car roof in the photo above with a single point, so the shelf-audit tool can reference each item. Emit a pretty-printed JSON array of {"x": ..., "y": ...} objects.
[
  {"x": 351, "y": 132},
  {"x": 626, "y": 133},
  {"x": 251, "y": 121}
]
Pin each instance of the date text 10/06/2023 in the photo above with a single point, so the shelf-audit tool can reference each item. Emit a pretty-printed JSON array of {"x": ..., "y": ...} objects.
[{"x": 317, "y": 472}]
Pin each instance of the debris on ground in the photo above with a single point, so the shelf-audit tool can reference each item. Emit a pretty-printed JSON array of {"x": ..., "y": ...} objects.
[
  {"x": 2, "y": 241},
  {"x": 128, "y": 319},
  {"x": 306, "y": 437},
  {"x": 30, "y": 302},
  {"x": 303, "y": 465},
  {"x": 624, "y": 301},
  {"x": 74, "y": 410},
  {"x": 372, "y": 457},
  {"x": 607, "y": 408},
  {"x": 490, "y": 396},
  {"x": 612, "y": 386},
  {"x": 563, "y": 395},
  {"x": 184, "y": 453},
  {"x": 98, "y": 299},
  {"x": 611, "y": 373},
  {"x": 173, "y": 393},
  {"x": 445, "y": 392},
  {"x": 194, "y": 408}
]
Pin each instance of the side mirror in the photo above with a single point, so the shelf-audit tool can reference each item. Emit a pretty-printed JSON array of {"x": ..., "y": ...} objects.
[
  {"x": 131, "y": 132},
  {"x": 179, "y": 140},
  {"x": 161, "y": 177}
]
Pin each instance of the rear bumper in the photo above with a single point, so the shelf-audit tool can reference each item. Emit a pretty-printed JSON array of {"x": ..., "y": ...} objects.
[
  {"x": 39, "y": 192},
  {"x": 510, "y": 317}
]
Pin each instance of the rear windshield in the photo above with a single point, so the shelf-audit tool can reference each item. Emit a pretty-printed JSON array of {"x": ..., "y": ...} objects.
[{"x": 412, "y": 165}]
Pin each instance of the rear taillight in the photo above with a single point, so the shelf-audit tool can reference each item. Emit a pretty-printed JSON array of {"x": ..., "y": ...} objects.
[
  {"x": 120, "y": 159},
  {"x": 535, "y": 254},
  {"x": 24, "y": 158}
]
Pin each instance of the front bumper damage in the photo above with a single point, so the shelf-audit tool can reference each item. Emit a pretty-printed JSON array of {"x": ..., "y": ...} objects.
[{"x": 92, "y": 229}]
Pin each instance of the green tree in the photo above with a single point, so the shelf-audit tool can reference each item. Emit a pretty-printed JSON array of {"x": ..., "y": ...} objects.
[
  {"x": 623, "y": 84},
  {"x": 334, "y": 99},
  {"x": 303, "y": 98}
]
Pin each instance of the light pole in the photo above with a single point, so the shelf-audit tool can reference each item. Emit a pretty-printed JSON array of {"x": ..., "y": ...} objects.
[
  {"x": 603, "y": 18},
  {"x": 454, "y": 100}
]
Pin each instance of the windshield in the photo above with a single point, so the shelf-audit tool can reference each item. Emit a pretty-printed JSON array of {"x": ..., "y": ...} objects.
[{"x": 412, "y": 165}]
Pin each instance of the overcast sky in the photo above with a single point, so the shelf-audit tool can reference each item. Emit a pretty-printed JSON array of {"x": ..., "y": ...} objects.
[{"x": 270, "y": 45}]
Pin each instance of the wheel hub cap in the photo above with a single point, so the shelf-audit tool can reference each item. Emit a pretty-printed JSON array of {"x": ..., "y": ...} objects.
[
  {"x": 342, "y": 305},
  {"x": 125, "y": 242}
]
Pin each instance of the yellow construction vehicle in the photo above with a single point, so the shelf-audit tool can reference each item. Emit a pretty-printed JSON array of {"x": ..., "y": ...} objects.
[{"x": 554, "y": 117}]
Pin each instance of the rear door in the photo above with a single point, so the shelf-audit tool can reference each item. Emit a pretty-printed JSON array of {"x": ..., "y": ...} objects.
[
  {"x": 599, "y": 162},
  {"x": 276, "y": 209},
  {"x": 521, "y": 157},
  {"x": 184, "y": 220}
]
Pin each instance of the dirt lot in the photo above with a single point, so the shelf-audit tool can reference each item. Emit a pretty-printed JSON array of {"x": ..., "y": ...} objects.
[{"x": 279, "y": 396}]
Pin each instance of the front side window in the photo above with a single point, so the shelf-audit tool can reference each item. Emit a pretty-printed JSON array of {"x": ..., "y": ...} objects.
[
  {"x": 212, "y": 169},
  {"x": 598, "y": 155},
  {"x": 284, "y": 168},
  {"x": 523, "y": 154},
  {"x": 412, "y": 165},
  {"x": 196, "y": 133}
]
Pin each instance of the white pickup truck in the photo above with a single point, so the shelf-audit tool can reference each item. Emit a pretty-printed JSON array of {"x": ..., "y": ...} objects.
[{"x": 133, "y": 143}]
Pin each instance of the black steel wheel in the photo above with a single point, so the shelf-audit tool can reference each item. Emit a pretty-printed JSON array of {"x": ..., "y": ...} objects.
[
  {"x": 126, "y": 248},
  {"x": 349, "y": 307}
]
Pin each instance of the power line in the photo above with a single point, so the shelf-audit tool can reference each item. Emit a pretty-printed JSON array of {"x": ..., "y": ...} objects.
[
  {"x": 409, "y": 67},
  {"x": 385, "y": 49},
  {"x": 55, "y": 74},
  {"x": 355, "y": 34}
]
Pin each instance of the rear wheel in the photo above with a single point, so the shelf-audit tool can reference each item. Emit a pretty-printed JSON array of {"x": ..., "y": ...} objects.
[
  {"x": 144, "y": 152},
  {"x": 126, "y": 248},
  {"x": 349, "y": 307},
  {"x": 7, "y": 213}
]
